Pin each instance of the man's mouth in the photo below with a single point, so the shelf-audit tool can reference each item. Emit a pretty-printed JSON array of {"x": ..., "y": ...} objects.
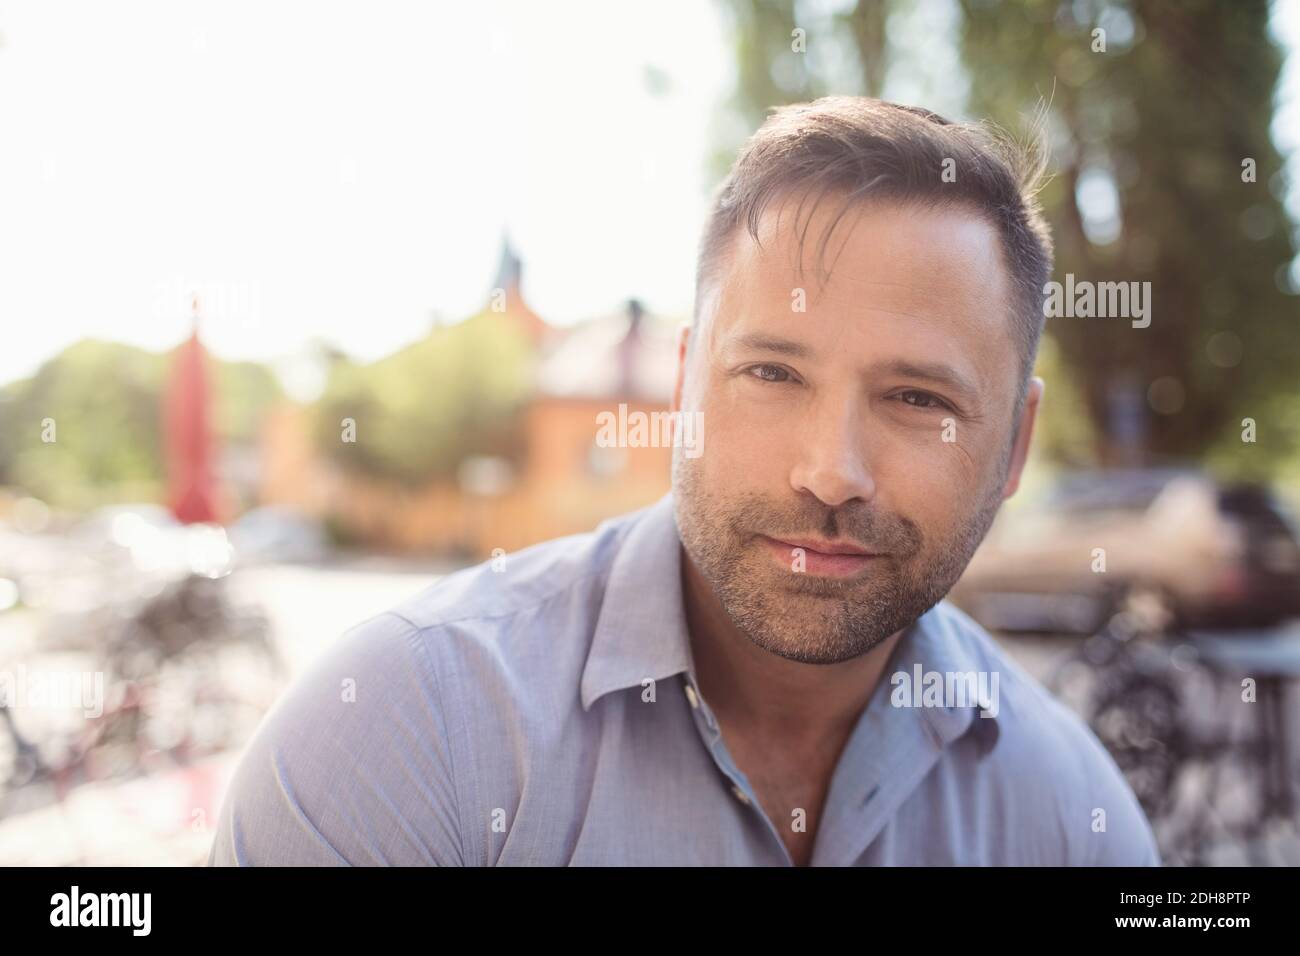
[{"x": 818, "y": 556}]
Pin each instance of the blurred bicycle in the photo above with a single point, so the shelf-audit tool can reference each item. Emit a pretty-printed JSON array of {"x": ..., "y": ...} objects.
[
  {"x": 1198, "y": 724},
  {"x": 187, "y": 671}
]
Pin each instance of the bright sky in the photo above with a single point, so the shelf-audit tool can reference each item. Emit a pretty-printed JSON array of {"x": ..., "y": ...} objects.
[
  {"x": 345, "y": 171},
  {"x": 342, "y": 170}
]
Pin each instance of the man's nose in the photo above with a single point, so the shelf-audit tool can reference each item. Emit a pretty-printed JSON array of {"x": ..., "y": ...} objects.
[{"x": 832, "y": 462}]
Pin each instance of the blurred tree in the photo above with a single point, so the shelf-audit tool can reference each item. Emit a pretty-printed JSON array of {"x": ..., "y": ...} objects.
[
  {"x": 1149, "y": 141},
  {"x": 1064, "y": 434},
  {"x": 421, "y": 411},
  {"x": 839, "y": 51},
  {"x": 105, "y": 402},
  {"x": 102, "y": 398},
  {"x": 244, "y": 391}
]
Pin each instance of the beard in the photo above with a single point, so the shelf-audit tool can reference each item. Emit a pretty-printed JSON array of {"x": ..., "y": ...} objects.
[{"x": 809, "y": 619}]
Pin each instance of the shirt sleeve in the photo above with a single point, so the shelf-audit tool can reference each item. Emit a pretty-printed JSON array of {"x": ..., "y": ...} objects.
[{"x": 352, "y": 766}]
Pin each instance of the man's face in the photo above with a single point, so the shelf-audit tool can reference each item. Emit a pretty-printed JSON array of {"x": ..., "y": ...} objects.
[{"x": 879, "y": 420}]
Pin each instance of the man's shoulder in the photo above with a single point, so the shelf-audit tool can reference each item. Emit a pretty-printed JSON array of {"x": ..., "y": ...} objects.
[
  {"x": 370, "y": 754},
  {"x": 1029, "y": 701},
  {"x": 520, "y": 619},
  {"x": 520, "y": 582},
  {"x": 1050, "y": 756},
  {"x": 1031, "y": 711},
  {"x": 531, "y": 612},
  {"x": 1030, "y": 715}
]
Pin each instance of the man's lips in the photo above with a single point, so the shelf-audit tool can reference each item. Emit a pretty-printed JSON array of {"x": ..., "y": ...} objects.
[{"x": 836, "y": 559}]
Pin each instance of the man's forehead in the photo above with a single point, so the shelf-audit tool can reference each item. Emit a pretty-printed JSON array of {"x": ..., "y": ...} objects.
[
  {"x": 912, "y": 271},
  {"x": 870, "y": 248}
]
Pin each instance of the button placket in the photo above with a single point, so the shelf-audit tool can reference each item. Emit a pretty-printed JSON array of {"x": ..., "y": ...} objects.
[
  {"x": 721, "y": 756},
  {"x": 698, "y": 704},
  {"x": 733, "y": 774}
]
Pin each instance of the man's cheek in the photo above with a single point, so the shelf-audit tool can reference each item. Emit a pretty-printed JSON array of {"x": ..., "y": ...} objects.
[
  {"x": 951, "y": 453},
  {"x": 747, "y": 452},
  {"x": 743, "y": 434},
  {"x": 918, "y": 483},
  {"x": 920, "y": 457}
]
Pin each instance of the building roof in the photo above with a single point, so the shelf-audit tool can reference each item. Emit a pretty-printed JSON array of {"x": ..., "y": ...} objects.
[
  {"x": 510, "y": 273},
  {"x": 626, "y": 355}
]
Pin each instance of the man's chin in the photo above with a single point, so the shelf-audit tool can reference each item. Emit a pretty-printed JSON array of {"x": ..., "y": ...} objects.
[
  {"x": 798, "y": 643},
  {"x": 812, "y": 621}
]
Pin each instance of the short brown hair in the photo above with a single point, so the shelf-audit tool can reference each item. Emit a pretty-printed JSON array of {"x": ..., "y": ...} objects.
[{"x": 865, "y": 148}]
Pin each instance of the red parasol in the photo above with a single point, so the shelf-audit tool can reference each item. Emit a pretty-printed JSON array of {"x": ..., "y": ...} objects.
[{"x": 191, "y": 490}]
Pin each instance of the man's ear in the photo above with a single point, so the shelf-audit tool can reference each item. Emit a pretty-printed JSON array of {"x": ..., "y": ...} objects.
[
  {"x": 1024, "y": 432},
  {"x": 683, "y": 341}
]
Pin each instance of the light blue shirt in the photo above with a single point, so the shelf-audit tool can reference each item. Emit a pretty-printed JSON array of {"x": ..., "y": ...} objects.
[{"x": 543, "y": 710}]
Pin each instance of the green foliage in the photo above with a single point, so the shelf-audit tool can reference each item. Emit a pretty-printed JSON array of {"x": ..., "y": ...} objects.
[
  {"x": 1169, "y": 115},
  {"x": 243, "y": 393},
  {"x": 1064, "y": 432},
  {"x": 421, "y": 411},
  {"x": 105, "y": 400},
  {"x": 844, "y": 51}
]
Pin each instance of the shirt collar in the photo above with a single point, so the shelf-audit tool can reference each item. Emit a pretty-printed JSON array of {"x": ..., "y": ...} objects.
[
  {"x": 942, "y": 640},
  {"x": 641, "y": 632}
]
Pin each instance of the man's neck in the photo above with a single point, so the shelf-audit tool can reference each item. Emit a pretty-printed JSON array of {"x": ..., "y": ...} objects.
[{"x": 777, "y": 698}]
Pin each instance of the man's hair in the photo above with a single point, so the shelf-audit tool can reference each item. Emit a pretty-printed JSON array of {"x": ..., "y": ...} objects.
[{"x": 861, "y": 149}]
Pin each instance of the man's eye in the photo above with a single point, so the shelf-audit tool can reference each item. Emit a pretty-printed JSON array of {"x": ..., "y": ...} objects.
[
  {"x": 922, "y": 399},
  {"x": 769, "y": 373}
]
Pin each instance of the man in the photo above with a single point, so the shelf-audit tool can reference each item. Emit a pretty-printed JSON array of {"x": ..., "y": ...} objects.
[{"x": 759, "y": 668}]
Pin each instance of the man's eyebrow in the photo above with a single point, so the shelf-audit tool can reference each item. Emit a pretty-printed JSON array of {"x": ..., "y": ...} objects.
[
  {"x": 771, "y": 343},
  {"x": 939, "y": 373}
]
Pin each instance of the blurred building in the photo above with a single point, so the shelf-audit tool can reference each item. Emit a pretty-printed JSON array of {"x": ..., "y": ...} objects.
[{"x": 566, "y": 483}]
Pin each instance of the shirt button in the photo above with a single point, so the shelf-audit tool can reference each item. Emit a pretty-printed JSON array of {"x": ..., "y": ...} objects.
[
  {"x": 740, "y": 795},
  {"x": 692, "y": 697}
]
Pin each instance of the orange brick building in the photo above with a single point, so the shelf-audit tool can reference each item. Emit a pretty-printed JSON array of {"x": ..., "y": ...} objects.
[{"x": 567, "y": 483}]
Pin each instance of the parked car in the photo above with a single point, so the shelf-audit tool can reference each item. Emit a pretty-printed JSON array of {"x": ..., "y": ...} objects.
[{"x": 1209, "y": 555}]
